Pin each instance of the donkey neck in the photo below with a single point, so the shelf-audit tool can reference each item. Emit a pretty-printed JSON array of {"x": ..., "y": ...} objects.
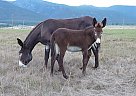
[{"x": 33, "y": 38}]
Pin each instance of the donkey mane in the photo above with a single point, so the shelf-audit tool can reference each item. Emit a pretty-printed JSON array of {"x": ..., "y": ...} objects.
[
  {"x": 29, "y": 43},
  {"x": 35, "y": 28}
]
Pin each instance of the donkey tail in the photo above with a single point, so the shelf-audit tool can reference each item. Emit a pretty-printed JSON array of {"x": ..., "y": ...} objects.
[
  {"x": 55, "y": 50},
  {"x": 52, "y": 42}
]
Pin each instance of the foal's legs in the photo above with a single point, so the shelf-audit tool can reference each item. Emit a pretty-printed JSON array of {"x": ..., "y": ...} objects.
[
  {"x": 57, "y": 58},
  {"x": 85, "y": 61},
  {"x": 96, "y": 54},
  {"x": 46, "y": 56},
  {"x": 89, "y": 55},
  {"x": 61, "y": 56}
]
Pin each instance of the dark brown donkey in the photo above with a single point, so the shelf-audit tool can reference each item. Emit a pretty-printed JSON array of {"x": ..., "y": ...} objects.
[
  {"x": 75, "y": 40},
  {"x": 42, "y": 33}
]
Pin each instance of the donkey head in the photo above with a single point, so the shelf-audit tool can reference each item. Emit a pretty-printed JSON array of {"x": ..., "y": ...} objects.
[
  {"x": 98, "y": 30},
  {"x": 25, "y": 55}
]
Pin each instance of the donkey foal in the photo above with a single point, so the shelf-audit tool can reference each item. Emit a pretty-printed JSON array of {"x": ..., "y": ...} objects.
[{"x": 74, "y": 40}]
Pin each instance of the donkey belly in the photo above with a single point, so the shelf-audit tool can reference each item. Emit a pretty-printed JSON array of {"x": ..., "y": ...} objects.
[{"x": 73, "y": 48}]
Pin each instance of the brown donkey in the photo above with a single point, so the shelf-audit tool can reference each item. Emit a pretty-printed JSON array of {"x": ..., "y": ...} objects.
[
  {"x": 42, "y": 33},
  {"x": 75, "y": 40}
]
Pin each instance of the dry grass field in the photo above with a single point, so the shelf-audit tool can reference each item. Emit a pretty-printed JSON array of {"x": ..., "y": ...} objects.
[{"x": 116, "y": 75}]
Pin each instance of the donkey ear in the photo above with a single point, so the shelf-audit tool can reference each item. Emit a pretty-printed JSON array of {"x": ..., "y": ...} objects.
[
  {"x": 104, "y": 22},
  {"x": 20, "y": 42},
  {"x": 94, "y": 22}
]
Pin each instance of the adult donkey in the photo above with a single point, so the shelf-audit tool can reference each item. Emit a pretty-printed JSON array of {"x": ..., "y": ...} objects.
[
  {"x": 75, "y": 40},
  {"x": 42, "y": 33}
]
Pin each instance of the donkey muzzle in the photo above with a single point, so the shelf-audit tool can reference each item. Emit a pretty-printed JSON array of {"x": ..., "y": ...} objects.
[
  {"x": 98, "y": 43},
  {"x": 21, "y": 64}
]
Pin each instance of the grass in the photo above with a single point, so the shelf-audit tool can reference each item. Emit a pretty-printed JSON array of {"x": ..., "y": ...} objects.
[
  {"x": 116, "y": 75},
  {"x": 122, "y": 33}
]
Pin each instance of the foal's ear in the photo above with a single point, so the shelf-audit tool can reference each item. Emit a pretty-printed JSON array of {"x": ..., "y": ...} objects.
[
  {"x": 20, "y": 42},
  {"x": 104, "y": 22},
  {"x": 94, "y": 22}
]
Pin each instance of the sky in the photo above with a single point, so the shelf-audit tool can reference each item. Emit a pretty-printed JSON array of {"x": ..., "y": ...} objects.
[{"x": 98, "y": 3}]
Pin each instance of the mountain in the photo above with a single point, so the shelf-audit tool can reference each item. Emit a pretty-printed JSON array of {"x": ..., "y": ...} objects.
[
  {"x": 115, "y": 14},
  {"x": 128, "y": 13},
  {"x": 10, "y": 13},
  {"x": 37, "y": 10}
]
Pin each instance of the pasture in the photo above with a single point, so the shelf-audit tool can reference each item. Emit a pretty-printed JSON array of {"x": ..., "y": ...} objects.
[{"x": 116, "y": 75}]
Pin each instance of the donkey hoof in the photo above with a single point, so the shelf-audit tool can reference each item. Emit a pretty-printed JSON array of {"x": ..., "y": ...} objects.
[
  {"x": 65, "y": 76},
  {"x": 95, "y": 67},
  {"x": 51, "y": 74},
  {"x": 45, "y": 65},
  {"x": 84, "y": 73},
  {"x": 59, "y": 70},
  {"x": 81, "y": 68}
]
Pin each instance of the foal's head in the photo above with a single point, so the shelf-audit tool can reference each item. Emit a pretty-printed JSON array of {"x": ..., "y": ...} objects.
[{"x": 98, "y": 30}]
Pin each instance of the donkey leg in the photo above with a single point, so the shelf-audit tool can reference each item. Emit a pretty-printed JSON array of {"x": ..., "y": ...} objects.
[
  {"x": 96, "y": 54},
  {"x": 57, "y": 58},
  {"x": 89, "y": 55},
  {"x": 46, "y": 57},
  {"x": 85, "y": 61},
  {"x": 62, "y": 53},
  {"x": 53, "y": 59}
]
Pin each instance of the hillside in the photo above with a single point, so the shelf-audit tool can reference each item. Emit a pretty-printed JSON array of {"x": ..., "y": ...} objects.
[
  {"x": 10, "y": 12},
  {"x": 37, "y": 10},
  {"x": 115, "y": 14}
]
